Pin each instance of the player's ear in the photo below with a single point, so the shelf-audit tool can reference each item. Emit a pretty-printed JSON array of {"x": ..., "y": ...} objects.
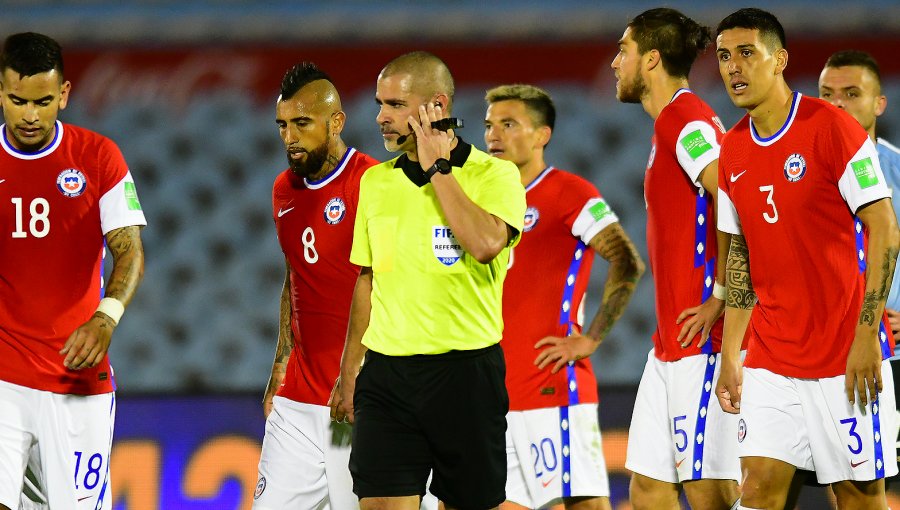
[
  {"x": 64, "y": 94},
  {"x": 544, "y": 134},
  {"x": 338, "y": 119},
  {"x": 781, "y": 60},
  {"x": 652, "y": 59},
  {"x": 880, "y": 105}
]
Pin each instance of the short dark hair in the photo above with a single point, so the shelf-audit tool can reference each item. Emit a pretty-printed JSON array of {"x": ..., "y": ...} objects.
[
  {"x": 770, "y": 29},
  {"x": 29, "y": 53},
  {"x": 537, "y": 101},
  {"x": 679, "y": 39},
  {"x": 299, "y": 76},
  {"x": 859, "y": 58}
]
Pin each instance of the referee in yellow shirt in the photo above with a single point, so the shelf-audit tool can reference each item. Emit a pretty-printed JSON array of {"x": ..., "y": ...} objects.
[{"x": 433, "y": 233}]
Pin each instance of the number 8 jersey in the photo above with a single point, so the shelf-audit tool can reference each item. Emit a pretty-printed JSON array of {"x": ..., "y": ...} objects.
[
  {"x": 314, "y": 221},
  {"x": 56, "y": 206},
  {"x": 793, "y": 197}
]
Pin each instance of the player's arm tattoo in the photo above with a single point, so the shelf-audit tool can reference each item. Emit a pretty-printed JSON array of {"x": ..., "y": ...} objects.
[
  {"x": 128, "y": 262},
  {"x": 285, "y": 336},
  {"x": 872, "y": 298},
  {"x": 738, "y": 284},
  {"x": 625, "y": 269}
]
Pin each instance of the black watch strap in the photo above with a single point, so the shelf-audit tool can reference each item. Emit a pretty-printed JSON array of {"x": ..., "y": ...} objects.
[{"x": 440, "y": 166}]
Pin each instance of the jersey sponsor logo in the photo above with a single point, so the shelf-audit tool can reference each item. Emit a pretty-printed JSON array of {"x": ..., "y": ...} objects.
[
  {"x": 2, "y": 181},
  {"x": 734, "y": 177},
  {"x": 865, "y": 174},
  {"x": 599, "y": 210},
  {"x": 695, "y": 144},
  {"x": 282, "y": 212},
  {"x": 678, "y": 463},
  {"x": 652, "y": 156},
  {"x": 855, "y": 465},
  {"x": 445, "y": 246},
  {"x": 532, "y": 215},
  {"x": 335, "y": 210},
  {"x": 131, "y": 198},
  {"x": 260, "y": 487},
  {"x": 71, "y": 182},
  {"x": 794, "y": 167},
  {"x": 742, "y": 430}
]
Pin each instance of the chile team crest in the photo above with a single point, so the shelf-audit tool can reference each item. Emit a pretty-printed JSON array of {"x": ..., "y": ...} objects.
[
  {"x": 531, "y": 218},
  {"x": 71, "y": 182},
  {"x": 335, "y": 211},
  {"x": 794, "y": 167}
]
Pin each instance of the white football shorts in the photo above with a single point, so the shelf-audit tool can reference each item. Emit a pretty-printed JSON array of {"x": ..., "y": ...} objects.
[
  {"x": 554, "y": 453},
  {"x": 809, "y": 423},
  {"x": 62, "y": 441},
  {"x": 678, "y": 430}
]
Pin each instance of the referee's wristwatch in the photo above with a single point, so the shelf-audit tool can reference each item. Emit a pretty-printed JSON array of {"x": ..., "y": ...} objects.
[{"x": 439, "y": 166}]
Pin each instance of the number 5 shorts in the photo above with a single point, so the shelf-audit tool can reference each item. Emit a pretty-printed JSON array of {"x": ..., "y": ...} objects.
[
  {"x": 810, "y": 424},
  {"x": 678, "y": 430}
]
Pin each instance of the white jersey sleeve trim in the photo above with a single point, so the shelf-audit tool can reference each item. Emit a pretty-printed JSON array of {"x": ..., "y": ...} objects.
[
  {"x": 696, "y": 148},
  {"x": 728, "y": 220},
  {"x": 593, "y": 218},
  {"x": 863, "y": 181},
  {"x": 120, "y": 207}
]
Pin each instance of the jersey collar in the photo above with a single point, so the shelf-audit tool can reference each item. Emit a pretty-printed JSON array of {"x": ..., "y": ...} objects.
[
  {"x": 332, "y": 175},
  {"x": 765, "y": 142},
  {"x": 16, "y": 153},
  {"x": 413, "y": 170},
  {"x": 537, "y": 180}
]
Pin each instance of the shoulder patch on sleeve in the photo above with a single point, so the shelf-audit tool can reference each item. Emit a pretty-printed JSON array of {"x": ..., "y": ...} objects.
[
  {"x": 131, "y": 198},
  {"x": 864, "y": 171},
  {"x": 695, "y": 144}
]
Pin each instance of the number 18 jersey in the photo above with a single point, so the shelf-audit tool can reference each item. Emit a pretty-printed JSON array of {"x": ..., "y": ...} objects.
[{"x": 56, "y": 205}]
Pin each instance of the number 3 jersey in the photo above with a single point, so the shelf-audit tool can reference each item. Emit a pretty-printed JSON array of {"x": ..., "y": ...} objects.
[
  {"x": 793, "y": 197},
  {"x": 314, "y": 221},
  {"x": 57, "y": 204},
  {"x": 545, "y": 286}
]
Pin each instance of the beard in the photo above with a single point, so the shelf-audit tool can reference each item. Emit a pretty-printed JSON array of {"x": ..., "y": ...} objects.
[
  {"x": 312, "y": 164},
  {"x": 633, "y": 91}
]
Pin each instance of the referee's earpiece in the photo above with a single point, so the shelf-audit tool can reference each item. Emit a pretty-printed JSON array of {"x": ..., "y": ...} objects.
[{"x": 437, "y": 104}]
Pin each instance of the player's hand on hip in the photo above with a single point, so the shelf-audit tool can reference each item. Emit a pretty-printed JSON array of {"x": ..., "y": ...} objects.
[
  {"x": 431, "y": 143},
  {"x": 699, "y": 319},
  {"x": 87, "y": 345},
  {"x": 729, "y": 386},
  {"x": 341, "y": 400},
  {"x": 561, "y": 350},
  {"x": 863, "y": 374}
]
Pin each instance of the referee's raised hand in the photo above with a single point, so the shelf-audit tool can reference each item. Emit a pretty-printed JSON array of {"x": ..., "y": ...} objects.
[{"x": 431, "y": 143}]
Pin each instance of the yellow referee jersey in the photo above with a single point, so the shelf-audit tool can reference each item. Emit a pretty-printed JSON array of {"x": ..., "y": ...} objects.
[{"x": 428, "y": 295}]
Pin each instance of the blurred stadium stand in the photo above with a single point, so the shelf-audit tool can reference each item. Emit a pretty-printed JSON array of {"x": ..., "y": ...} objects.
[{"x": 204, "y": 149}]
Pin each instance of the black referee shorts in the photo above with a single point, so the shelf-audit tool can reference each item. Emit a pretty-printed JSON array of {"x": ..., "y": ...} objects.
[{"x": 443, "y": 413}]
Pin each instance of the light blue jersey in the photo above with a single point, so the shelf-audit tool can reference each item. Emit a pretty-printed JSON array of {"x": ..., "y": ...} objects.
[{"x": 889, "y": 157}]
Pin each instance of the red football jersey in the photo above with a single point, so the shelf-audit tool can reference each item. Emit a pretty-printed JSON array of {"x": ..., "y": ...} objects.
[
  {"x": 314, "y": 221},
  {"x": 57, "y": 204},
  {"x": 545, "y": 287},
  {"x": 793, "y": 197},
  {"x": 681, "y": 236}
]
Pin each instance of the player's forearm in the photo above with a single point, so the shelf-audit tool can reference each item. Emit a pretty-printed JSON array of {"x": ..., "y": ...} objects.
[
  {"x": 884, "y": 242},
  {"x": 625, "y": 269},
  {"x": 360, "y": 311},
  {"x": 739, "y": 297},
  {"x": 128, "y": 263},
  {"x": 285, "y": 336},
  {"x": 481, "y": 234}
]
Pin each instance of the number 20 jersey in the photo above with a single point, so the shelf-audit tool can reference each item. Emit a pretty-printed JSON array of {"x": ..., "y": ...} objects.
[
  {"x": 314, "y": 221},
  {"x": 793, "y": 197},
  {"x": 56, "y": 205}
]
